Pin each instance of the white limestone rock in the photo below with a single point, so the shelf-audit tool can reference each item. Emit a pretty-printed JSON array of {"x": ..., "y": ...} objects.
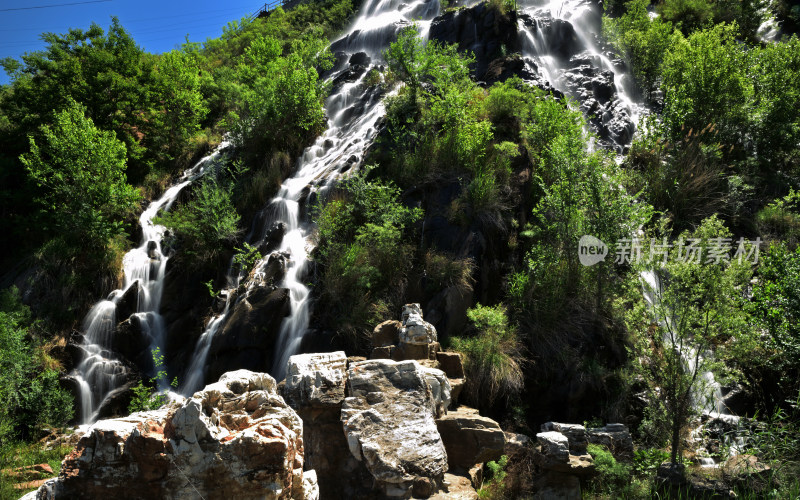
[
  {"x": 389, "y": 423},
  {"x": 316, "y": 380}
]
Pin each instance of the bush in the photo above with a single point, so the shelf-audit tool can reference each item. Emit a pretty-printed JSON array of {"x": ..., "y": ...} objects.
[
  {"x": 29, "y": 385},
  {"x": 154, "y": 395},
  {"x": 642, "y": 41},
  {"x": 492, "y": 357},
  {"x": 613, "y": 476},
  {"x": 776, "y": 308},
  {"x": 362, "y": 255},
  {"x": 687, "y": 15},
  {"x": 706, "y": 86},
  {"x": 781, "y": 219},
  {"x": 206, "y": 226}
]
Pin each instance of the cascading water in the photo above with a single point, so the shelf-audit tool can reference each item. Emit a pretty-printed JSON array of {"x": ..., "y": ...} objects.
[
  {"x": 353, "y": 116},
  {"x": 561, "y": 40},
  {"x": 707, "y": 395},
  {"x": 100, "y": 372}
]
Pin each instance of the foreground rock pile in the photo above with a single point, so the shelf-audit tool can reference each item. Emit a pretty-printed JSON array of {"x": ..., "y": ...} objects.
[
  {"x": 383, "y": 428},
  {"x": 236, "y": 438},
  {"x": 337, "y": 427}
]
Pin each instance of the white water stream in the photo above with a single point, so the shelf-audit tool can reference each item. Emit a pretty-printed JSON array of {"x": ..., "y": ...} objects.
[
  {"x": 353, "y": 115},
  {"x": 541, "y": 41},
  {"x": 101, "y": 372},
  {"x": 353, "y": 118},
  {"x": 707, "y": 394}
]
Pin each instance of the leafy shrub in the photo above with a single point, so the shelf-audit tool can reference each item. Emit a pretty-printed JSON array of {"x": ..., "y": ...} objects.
[
  {"x": 494, "y": 487},
  {"x": 642, "y": 41},
  {"x": 150, "y": 397},
  {"x": 361, "y": 254},
  {"x": 613, "y": 476},
  {"x": 781, "y": 219},
  {"x": 492, "y": 357},
  {"x": 81, "y": 171},
  {"x": 706, "y": 86},
  {"x": 688, "y": 15},
  {"x": 207, "y": 225},
  {"x": 29, "y": 387},
  {"x": 776, "y": 304}
]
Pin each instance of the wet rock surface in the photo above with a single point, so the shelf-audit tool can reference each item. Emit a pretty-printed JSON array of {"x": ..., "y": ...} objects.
[
  {"x": 248, "y": 337},
  {"x": 481, "y": 29}
]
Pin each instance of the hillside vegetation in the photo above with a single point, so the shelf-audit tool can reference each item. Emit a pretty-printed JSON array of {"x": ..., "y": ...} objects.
[{"x": 481, "y": 192}]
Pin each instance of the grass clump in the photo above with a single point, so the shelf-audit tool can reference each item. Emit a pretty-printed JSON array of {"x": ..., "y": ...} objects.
[{"x": 492, "y": 357}]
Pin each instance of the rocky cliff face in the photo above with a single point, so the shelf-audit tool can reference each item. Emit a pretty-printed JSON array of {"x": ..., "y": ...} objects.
[{"x": 236, "y": 438}]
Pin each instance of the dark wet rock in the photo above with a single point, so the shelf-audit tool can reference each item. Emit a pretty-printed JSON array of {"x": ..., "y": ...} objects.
[
  {"x": 480, "y": 30},
  {"x": 559, "y": 37},
  {"x": 349, "y": 75},
  {"x": 503, "y": 68},
  {"x": 247, "y": 339},
  {"x": 360, "y": 59},
  {"x": 128, "y": 303},
  {"x": 739, "y": 400},
  {"x": 131, "y": 340},
  {"x": 273, "y": 237}
]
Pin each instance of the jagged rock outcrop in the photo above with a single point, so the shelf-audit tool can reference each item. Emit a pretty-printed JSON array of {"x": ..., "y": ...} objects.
[
  {"x": 236, "y": 438},
  {"x": 413, "y": 338},
  {"x": 248, "y": 337},
  {"x": 481, "y": 29},
  {"x": 389, "y": 423},
  {"x": 315, "y": 388},
  {"x": 470, "y": 438},
  {"x": 562, "y": 459}
]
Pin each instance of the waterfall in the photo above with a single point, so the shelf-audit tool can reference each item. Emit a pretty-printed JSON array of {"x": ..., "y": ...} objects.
[
  {"x": 353, "y": 117},
  {"x": 707, "y": 395},
  {"x": 561, "y": 40},
  {"x": 101, "y": 372}
]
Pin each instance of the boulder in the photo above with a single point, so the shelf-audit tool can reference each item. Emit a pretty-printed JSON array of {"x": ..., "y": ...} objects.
[
  {"x": 554, "y": 445},
  {"x": 576, "y": 434},
  {"x": 616, "y": 437},
  {"x": 316, "y": 380},
  {"x": 470, "y": 438},
  {"x": 247, "y": 339},
  {"x": 389, "y": 424},
  {"x": 415, "y": 330},
  {"x": 480, "y": 29},
  {"x": 554, "y": 455},
  {"x": 128, "y": 301},
  {"x": 315, "y": 388},
  {"x": 386, "y": 334},
  {"x": 236, "y": 438},
  {"x": 557, "y": 486}
]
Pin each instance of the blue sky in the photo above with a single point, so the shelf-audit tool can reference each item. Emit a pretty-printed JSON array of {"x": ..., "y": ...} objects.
[{"x": 157, "y": 26}]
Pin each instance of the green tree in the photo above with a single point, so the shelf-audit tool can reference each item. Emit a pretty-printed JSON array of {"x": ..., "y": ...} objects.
[
  {"x": 706, "y": 85},
  {"x": 80, "y": 170},
  {"x": 180, "y": 105},
  {"x": 776, "y": 308},
  {"x": 281, "y": 94},
  {"x": 642, "y": 40},
  {"x": 692, "y": 306}
]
